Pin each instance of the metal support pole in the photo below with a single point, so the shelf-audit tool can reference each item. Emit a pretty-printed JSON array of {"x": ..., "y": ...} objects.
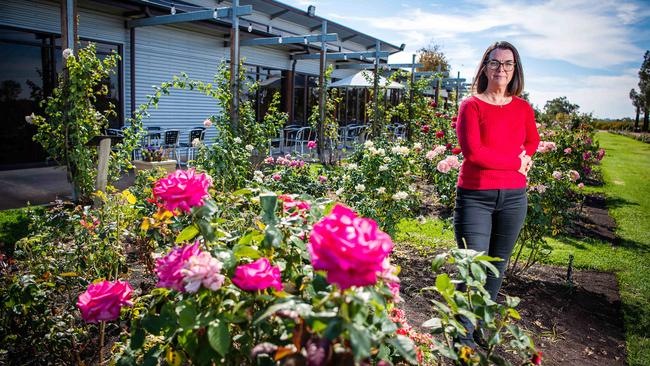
[
  {"x": 321, "y": 96},
  {"x": 375, "y": 99},
  {"x": 437, "y": 93},
  {"x": 409, "y": 124},
  {"x": 132, "y": 70},
  {"x": 457, "y": 89},
  {"x": 234, "y": 69}
]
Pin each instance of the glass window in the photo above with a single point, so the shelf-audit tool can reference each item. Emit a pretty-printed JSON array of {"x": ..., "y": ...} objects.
[{"x": 29, "y": 66}]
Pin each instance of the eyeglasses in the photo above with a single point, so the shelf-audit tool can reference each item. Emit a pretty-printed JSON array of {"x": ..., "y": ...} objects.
[{"x": 495, "y": 64}]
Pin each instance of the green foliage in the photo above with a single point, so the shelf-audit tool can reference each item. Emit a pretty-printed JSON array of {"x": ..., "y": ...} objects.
[
  {"x": 68, "y": 248},
  {"x": 71, "y": 120},
  {"x": 493, "y": 321},
  {"x": 14, "y": 225},
  {"x": 378, "y": 181},
  {"x": 227, "y": 325},
  {"x": 289, "y": 175},
  {"x": 330, "y": 125}
]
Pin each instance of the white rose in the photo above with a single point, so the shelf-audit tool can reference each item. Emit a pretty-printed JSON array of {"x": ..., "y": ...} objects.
[
  {"x": 400, "y": 196},
  {"x": 249, "y": 147},
  {"x": 383, "y": 168},
  {"x": 360, "y": 188},
  {"x": 381, "y": 190},
  {"x": 67, "y": 53},
  {"x": 237, "y": 140}
]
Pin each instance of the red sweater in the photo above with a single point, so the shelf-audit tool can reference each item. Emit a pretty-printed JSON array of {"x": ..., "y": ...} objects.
[{"x": 492, "y": 137}]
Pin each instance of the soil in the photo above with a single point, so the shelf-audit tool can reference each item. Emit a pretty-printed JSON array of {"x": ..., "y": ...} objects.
[
  {"x": 572, "y": 325},
  {"x": 594, "y": 221}
]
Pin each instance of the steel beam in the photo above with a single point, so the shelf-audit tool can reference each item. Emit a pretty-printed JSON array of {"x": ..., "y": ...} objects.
[
  {"x": 370, "y": 66},
  {"x": 331, "y": 37},
  {"x": 278, "y": 14},
  {"x": 190, "y": 16},
  {"x": 343, "y": 55}
]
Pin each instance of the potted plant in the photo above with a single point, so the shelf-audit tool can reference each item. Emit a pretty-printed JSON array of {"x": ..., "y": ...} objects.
[{"x": 154, "y": 157}]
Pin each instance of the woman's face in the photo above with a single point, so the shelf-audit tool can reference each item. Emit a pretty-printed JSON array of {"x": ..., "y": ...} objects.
[{"x": 500, "y": 77}]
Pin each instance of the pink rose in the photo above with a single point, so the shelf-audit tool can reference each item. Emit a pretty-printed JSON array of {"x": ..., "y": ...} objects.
[
  {"x": 453, "y": 162},
  {"x": 103, "y": 301},
  {"x": 568, "y": 150},
  {"x": 425, "y": 129},
  {"x": 182, "y": 188},
  {"x": 202, "y": 269},
  {"x": 557, "y": 175},
  {"x": 586, "y": 155},
  {"x": 322, "y": 178},
  {"x": 289, "y": 204},
  {"x": 169, "y": 268},
  {"x": 574, "y": 175},
  {"x": 443, "y": 166},
  {"x": 453, "y": 125},
  {"x": 350, "y": 249},
  {"x": 258, "y": 275},
  {"x": 311, "y": 144},
  {"x": 276, "y": 177},
  {"x": 581, "y": 185},
  {"x": 440, "y": 134},
  {"x": 207, "y": 123},
  {"x": 600, "y": 154},
  {"x": 269, "y": 160},
  {"x": 546, "y": 146}
]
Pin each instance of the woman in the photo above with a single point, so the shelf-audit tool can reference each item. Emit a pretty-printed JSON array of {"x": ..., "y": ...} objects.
[{"x": 497, "y": 134}]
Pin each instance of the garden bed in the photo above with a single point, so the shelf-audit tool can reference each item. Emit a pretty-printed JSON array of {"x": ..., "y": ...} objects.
[{"x": 579, "y": 325}]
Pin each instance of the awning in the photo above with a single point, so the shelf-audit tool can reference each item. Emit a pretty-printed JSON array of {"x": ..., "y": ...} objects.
[{"x": 364, "y": 79}]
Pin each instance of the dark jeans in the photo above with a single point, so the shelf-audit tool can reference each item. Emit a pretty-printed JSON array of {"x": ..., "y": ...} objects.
[{"x": 490, "y": 221}]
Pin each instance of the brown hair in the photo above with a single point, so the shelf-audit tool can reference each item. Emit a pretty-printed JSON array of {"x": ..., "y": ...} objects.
[{"x": 516, "y": 85}]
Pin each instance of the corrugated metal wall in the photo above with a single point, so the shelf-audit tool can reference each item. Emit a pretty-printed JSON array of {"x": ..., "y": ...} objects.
[{"x": 165, "y": 51}]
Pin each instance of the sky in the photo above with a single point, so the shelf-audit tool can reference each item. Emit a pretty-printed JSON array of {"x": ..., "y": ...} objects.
[{"x": 587, "y": 50}]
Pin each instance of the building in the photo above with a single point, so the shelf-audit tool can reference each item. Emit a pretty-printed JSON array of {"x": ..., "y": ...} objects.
[{"x": 30, "y": 45}]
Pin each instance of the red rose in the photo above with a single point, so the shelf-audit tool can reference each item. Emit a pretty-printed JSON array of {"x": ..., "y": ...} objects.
[
  {"x": 438, "y": 114},
  {"x": 440, "y": 134},
  {"x": 456, "y": 150},
  {"x": 536, "y": 359},
  {"x": 448, "y": 146},
  {"x": 433, "y": 104},
  {"x": 453, "y": 125},
  {"x": 454, "y": 118},
  {"x": 425, "y": 129}
]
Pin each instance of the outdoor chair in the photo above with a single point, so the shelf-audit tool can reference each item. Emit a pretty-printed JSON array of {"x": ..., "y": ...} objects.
[
  {"x": 170, "y": 143},
  {"x": 190, "y": 150},
  {"x": 302, "y": 136}
]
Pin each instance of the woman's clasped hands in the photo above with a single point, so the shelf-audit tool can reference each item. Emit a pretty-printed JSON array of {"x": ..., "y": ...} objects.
[{"x": 526, "y": 163}]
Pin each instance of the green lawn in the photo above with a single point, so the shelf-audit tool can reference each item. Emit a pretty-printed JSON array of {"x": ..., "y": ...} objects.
[{"x": 626, "y": 170}]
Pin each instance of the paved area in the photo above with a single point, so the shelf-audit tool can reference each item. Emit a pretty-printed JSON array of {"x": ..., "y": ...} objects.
[{"x": 38, "y": 186}]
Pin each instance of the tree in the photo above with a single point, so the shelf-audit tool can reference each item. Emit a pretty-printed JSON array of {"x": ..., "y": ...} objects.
[
  {"x": 431, "y": 57},
  {"x": 637, "y": 101},
  {"x": 559, "y": 105},
  {"x": 644, "y": 88}
]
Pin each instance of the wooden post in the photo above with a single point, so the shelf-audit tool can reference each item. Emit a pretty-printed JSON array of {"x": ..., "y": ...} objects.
[
  {"x": 321, "y": 96},
  {"x": 234, "y": 68},
  {"x": 102, "y": 167}
]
